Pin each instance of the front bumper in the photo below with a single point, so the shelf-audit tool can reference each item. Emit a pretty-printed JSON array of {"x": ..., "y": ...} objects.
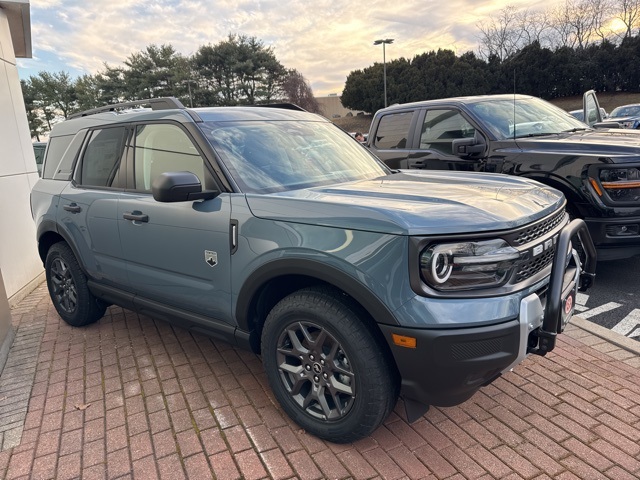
[
  {"x": 447, "y": 366},
  {"x": 616, "y": 237}
]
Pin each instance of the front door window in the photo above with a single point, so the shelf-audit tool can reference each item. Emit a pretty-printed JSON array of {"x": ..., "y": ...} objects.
[{"x": 441, "y": 128}]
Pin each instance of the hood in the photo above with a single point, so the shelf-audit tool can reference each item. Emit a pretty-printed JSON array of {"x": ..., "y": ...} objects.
[
  {"x": 623, "y": 119},
  {"x": 415, "y": 203},
  {"x": 623, "y": 144},
  {"x": 625, "y": 122}
]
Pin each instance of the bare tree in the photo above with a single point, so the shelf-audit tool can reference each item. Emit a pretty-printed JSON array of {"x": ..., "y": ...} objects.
[
  {"x": 577, "y": 23},
  {"x": 535, "y": 26},
  {"x": 501, "y": 37},
  {"x": 628, "y": 11},
  {"x": 512, "y": 30},
  {"x": 602, "y": 11},
  {"x": 297, "y": 90}
]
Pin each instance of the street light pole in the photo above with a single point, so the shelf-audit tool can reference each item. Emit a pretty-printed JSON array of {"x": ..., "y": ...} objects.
[{"x": 384, "y": 63}]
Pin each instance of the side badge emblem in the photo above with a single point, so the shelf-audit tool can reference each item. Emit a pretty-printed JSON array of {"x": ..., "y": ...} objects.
[{"x": 211, "y": 258}]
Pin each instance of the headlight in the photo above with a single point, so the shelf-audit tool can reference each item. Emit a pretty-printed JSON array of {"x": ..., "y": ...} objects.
[
  {"x": 622, "y": 184},
  {"x": 467, "y": 265}
]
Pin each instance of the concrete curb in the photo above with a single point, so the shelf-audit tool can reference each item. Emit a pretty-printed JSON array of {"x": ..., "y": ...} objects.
[
  {"x": 606, "y": 334},
  {"x": 25, "y": 291}
]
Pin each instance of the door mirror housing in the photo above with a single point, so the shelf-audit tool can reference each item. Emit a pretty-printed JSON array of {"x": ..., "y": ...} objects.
[
  {"x": 180, "y": 187},
  {"x": 467, "y": 147},
  {"x": 607, "y": 124}
]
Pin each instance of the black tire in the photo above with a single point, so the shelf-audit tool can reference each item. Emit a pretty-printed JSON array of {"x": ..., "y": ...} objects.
[
  {"x": 326, "y": 367},
  {"x": 68, "y": 288}
]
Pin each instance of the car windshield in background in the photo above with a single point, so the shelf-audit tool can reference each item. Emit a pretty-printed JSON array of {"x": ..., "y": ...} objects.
[
  {"x": 626, "y": 111},
  {"x": 524, "y": 117},
  {"x": 265, "y": 157}
]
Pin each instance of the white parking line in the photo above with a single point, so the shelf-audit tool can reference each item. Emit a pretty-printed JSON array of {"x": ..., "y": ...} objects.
[
  {"x": 581, "y": 302},
  {"x": 601, "y": 309},
  {"x": 582, "y": 298},
  {"x": 627, "y": 326}
]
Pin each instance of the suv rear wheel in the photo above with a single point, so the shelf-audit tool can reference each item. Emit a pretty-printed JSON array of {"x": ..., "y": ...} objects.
[
  {"x": 326, "y": 367},
  {"x": 68, "y": 288}
]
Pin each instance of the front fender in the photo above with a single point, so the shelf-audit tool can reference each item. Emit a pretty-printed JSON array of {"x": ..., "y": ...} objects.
[{"x": 309, "y": 268}]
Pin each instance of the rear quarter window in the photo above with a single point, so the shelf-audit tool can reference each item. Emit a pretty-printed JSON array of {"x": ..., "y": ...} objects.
[{"x": 60, "y": 156}]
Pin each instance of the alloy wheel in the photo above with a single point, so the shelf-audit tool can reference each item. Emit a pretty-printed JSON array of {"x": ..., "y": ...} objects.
[
  {"x": 316, "y": 371},
  {"x": 64, "y": 289}
]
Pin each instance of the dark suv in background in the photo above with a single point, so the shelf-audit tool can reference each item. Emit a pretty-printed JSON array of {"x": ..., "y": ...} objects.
[
  {"x": 274, "y": 230},
  {"x": 597, "y": 169}
]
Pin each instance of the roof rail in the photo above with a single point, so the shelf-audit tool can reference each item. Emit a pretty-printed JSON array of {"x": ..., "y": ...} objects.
[{"x": 162, "y": 103}]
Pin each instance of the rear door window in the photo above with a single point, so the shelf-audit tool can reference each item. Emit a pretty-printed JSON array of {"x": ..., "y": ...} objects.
[
  {"x": 393, "y": 131},
  {"x": 102, "y": 156}
]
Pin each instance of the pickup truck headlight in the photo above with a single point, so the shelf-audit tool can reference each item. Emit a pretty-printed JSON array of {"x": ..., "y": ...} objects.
[
  {"x": 467, "y": 265},
  {"x": 622, "y": 184}
]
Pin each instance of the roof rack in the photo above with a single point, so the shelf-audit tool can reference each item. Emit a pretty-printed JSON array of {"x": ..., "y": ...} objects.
[{"x": 162, "y": 103}]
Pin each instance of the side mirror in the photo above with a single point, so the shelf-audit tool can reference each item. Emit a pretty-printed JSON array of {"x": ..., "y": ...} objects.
[
  {"x": 179, "y": 187},
  {"x": 465, "y": 147},
  {"x": 606, "y": 125}
]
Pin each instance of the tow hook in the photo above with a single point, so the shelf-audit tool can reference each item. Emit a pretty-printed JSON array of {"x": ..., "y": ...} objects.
[{"x": 586, "y": 281}]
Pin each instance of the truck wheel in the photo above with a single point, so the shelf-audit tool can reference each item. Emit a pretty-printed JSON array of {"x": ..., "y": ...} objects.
[
  {"x": 326, "y": 367},
  {"x": 68, "y": 288}
]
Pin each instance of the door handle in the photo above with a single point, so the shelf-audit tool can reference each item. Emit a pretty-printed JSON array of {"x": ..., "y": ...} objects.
[
  {"x": 136, "y": 216},
  {"x": 72, "y": 207},
  {"x": 415, "y": 163}
]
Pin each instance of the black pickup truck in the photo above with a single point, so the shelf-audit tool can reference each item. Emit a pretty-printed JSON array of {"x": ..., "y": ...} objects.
[{"x": 597, "y": 169}]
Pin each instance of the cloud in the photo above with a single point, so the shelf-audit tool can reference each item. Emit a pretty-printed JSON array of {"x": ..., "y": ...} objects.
[{"x": 324, "y": 41}]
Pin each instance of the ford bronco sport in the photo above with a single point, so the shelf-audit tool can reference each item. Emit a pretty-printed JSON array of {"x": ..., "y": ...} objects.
[{"x": 272, "y": 229}]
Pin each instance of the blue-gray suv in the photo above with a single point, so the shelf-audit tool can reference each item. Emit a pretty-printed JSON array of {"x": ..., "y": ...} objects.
[{"x": 272, "y": 229}]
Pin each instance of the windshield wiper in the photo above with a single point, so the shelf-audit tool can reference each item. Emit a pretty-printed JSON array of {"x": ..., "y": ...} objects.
[
  {"x": 577, "y": 129},
  {"x": 528, "y": 135}
]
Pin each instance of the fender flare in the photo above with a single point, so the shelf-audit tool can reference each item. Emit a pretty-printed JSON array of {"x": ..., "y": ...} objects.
[
  {"x": 49, "y": 226},
  {"x": 313, "y": 269}
]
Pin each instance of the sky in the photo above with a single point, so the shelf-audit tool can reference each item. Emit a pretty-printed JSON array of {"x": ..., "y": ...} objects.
[{"x": 323, "y": 39}]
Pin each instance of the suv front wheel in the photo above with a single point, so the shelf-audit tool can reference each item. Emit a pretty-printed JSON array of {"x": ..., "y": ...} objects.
[
  {"x": 326, "y": 367},
  {"x": 68, "y": 288}
]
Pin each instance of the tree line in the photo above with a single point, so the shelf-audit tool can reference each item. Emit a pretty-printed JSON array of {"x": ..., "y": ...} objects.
[
  {"x": 239, "y": 70},
  {"x": 559, "y": 52}
]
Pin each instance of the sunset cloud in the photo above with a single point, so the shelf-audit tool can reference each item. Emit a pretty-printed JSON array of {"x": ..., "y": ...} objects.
[{"x": 323, "y": 40}]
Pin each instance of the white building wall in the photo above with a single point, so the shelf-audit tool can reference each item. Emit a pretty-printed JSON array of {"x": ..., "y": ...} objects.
[{"x": 19, "y": 261}]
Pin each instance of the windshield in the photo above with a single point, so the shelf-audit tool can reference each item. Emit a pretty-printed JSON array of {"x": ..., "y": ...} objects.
[
  {"x": 626, "y": 111},
  {"x": 276, "y": 156},
  {"x": 524, "y": 117}
]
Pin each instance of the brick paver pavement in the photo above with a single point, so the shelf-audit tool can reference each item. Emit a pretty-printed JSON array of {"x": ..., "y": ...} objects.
[{"x": 130, "y": 397}]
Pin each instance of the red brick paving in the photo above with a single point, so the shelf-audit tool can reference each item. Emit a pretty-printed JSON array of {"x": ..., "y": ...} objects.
[{"x": 129, "y": 397}]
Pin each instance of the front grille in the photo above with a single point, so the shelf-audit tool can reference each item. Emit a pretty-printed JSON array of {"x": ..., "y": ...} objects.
[
  {"x": 534, "y": 265},
  {"x": 537, "y": 230},
  {"x": 541, "y": 236}
]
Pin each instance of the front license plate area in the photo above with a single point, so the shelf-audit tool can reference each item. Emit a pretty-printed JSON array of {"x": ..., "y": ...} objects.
[{"x": 568, "y": 306}]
